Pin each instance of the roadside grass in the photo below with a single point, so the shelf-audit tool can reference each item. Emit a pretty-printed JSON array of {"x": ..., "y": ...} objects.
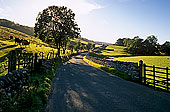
[{"x": 109, "y": 70}]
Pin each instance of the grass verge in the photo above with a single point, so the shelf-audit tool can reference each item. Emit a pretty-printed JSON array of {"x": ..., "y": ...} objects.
[{"x": 109, "y": 70}]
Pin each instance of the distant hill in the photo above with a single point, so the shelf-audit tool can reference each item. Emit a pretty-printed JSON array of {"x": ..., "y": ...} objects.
[
  {"x": 18, "y": 27},
  {"x": 95, "y": 42}
]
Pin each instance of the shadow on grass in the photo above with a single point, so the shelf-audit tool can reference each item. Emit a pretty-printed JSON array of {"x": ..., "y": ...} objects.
[
  {"x": 11, "y": 46},
  {"x": 109, "y": 49},
  {"x": 117, "y": 73},
  {"x": 3, "y": 58}
]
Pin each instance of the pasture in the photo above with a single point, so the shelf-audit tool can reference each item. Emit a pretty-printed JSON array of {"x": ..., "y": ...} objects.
[
  {"x": 7, "y": 45},
  {"x": 119, "y": 53},
  {"x": 155, "y": 76},
  {"x": 160, "y": 61},
  {"x": 36, "y": 45},
  {"x": 114, "y": 51}
]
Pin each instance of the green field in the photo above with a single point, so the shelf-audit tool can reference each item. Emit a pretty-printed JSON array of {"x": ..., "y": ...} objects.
[
  {"x": 119, "y": 53},
  {"x": 36, "y": 45},
  {"x": 114, "y": 51},
  {"x": 160, "y": 61},
  {"x": 7, "y": 45}
]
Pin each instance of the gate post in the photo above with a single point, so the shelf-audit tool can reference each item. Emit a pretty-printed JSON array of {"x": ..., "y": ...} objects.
[
  {"x": 35, "y": 61},
  {"x": 140, "y": 70},
  {"x": 12, "y": 61}
]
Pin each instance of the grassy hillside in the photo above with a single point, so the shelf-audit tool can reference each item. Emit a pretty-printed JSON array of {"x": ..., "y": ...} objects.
[
  {"x": 6, "y": 45},
  {"x": 113, "y": 52},
  {"x": 21, "y": 28},
  {"x": 6, "y": 32}
]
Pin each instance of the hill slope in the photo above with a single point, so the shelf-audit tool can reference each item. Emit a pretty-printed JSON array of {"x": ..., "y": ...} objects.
[{"x": 21, "y": 28}]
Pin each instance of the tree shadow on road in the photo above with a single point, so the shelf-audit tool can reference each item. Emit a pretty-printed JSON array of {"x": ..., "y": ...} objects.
[{"x": 84, "y": 87}]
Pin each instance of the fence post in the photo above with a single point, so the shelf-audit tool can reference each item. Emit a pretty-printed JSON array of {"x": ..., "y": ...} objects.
[
  {"x": 32, "y": 63},
  {"x": 24, "y": 60},
  {"x": 140, "y": 70},
  {"x": 35, "y": 61},
  {"x": 154, "y": 75},
  {"x": 18, "y": 62},
  {"x": 42, "y": 55},
  {"x": 167, "y": 78},
  {"x": 9, "y": 62},
  {"x": 12, "y": 61},
  {"x": 144, "y": 73},
  {"x": 53, "y": 57}
]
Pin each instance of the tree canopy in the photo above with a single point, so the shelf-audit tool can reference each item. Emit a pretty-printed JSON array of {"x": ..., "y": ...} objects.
[
  {"x": 56, "y": 25},
  {"x": 138, "y": 46},
  {"x": 165, "y": 48}
]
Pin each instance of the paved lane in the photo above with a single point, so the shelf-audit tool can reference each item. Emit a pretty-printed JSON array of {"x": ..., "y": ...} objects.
[{"x": 79, "y": 87}]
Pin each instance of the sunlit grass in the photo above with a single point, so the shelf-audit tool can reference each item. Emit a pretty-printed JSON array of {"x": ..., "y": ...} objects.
[
  {"x": 119, "y": 53},
  {"x": 7, "y": 45},
  {"x": 109, "y": 70},
  {"x": 114, "y": 51},
  {"x": 97, "y": 45},
  {"x": 160, "y": 61}
]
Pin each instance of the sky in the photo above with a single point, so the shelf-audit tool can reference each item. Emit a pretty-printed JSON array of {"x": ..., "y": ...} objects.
[{"x": 101, "y": 20}]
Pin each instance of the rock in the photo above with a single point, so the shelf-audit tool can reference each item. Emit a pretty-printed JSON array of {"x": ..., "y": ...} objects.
[{"x": 127, "y": 67}]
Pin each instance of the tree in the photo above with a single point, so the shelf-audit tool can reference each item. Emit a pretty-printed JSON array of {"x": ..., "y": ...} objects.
[
  {"x": 56, "y": 25},
  {"x": 136, "y": 46},
  {"x": 165, "y": 48},
  {"x": 119, "y": 42},
  {"x": 70, "y": 47},
  {"x": 89, "y": 46},
  {"x": 152, "y": 40},
  {"x": 150, "y": 45},
  {"x": 77, "y": 46},
  {"x": 127, "y": 42}
]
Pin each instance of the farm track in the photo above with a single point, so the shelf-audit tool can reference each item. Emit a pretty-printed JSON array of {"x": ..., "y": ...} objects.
[{"x": 79, "y": 87}]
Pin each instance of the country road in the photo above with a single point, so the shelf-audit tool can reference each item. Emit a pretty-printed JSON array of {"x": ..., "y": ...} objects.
[{"x": 79, "y": 87}]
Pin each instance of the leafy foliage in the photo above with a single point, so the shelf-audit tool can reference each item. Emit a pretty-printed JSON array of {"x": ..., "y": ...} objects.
[
  {"x": 138, "y": 46},
  {"x": 165, "y": 48},
  {"x": 56, "y": 25}
]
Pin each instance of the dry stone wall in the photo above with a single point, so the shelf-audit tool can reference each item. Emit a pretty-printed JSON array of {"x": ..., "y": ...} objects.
[
  {"x": 129, "y": 68},
  {"x": 14, "y": 83}
]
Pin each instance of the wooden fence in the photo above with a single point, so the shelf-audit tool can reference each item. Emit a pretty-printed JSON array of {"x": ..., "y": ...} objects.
[
  {"x": 157, "y": 77},
  {"x": 4, "y": 67},
  {"x": 18, "y": 60}
]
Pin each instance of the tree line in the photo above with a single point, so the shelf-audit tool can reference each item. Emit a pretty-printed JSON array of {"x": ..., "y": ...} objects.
[
  {"x": 147, "y": 47},
  {"x": 78, "y": 46}
]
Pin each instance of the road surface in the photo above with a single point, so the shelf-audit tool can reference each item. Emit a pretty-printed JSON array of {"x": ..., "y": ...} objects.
[{"x": 79, "y": 87}]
